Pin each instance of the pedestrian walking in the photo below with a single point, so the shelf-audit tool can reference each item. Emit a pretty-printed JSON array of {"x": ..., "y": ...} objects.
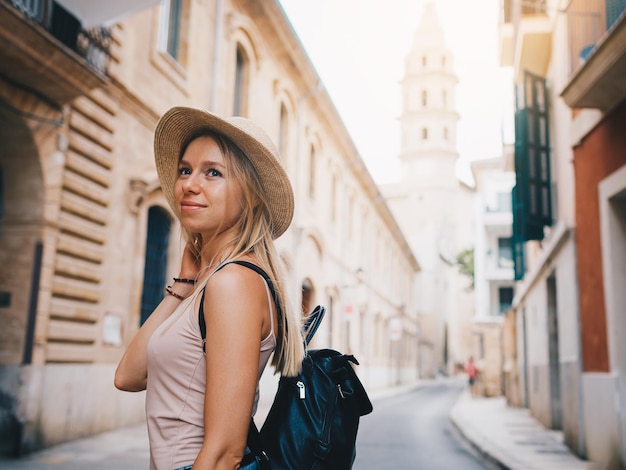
[
  {"x": 472, "y": 374},
  {"x": 225, "y": 184}
]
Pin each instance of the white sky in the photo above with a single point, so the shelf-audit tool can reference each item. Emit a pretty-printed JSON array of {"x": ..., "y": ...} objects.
[{"x": 358, "y": 48}]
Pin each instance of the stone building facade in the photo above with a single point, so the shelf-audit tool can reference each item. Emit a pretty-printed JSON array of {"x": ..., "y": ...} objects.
[{"x": 87, "y": 240}]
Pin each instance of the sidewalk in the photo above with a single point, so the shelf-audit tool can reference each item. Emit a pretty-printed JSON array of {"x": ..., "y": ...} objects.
[
  {"x": 511, "y": 437},
  {"x": 122, "y": 449}
]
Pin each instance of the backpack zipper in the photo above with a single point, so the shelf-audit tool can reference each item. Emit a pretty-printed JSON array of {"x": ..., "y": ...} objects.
[{"x": 300, "y": 385}]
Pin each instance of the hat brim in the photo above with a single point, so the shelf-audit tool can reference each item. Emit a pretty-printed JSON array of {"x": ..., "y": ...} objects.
[{"x": 179, "y": 124}]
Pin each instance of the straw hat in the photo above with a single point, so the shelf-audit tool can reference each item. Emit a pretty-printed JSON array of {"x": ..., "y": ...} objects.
[{"x": 178, "y": 124}]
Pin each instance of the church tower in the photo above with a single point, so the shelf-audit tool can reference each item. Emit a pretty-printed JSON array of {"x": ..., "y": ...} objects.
[
  {"x": 428, "y": 121},
  {"x": 434, "y": 209}
]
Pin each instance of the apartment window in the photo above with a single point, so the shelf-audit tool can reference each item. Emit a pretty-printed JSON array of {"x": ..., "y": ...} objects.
[
  {"x": 242, "y": 67},
  {"x": 424, "y": 61},
  {"x": 504, "y": 202},
  {"x": 283, "y": 130},
  {"x": 312, "y": 158},
  {"x": 424, "y": 98},
  {"x": 444, "y": 98},
  {"x": 155, "y": 266},
  {"x": 424, "y": 133},
  {"x": 505, "y": 253},
  {"x": 505, "y": 298},
  {"x": 445, "y": 133},
  {"x": 443, "y": 62},
  {"x": 169, "y": 39}
]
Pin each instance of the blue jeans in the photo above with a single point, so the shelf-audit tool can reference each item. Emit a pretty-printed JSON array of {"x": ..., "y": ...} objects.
[{"x": 252, "y": 465}]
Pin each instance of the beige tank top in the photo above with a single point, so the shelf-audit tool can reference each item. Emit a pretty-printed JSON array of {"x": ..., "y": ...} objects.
[{"x": 177, "y": 383}]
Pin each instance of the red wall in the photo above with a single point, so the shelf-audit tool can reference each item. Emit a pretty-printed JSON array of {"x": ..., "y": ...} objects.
[{"x": 602, "y": 152}]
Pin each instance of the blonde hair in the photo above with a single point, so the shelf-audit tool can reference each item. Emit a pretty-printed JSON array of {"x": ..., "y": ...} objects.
[{"x": 255, "y": 237}]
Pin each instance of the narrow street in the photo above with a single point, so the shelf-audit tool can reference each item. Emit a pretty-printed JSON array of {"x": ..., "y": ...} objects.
[{"x": 413, "y": 431}]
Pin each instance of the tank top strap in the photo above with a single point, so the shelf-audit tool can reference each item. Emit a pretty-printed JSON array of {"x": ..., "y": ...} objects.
[{"x": 270, "y": 302}]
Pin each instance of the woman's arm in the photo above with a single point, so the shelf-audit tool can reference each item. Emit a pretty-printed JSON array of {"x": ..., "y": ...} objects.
[
  {"x": 132, "y": 372},
  {"x": 235, "y": 308}
]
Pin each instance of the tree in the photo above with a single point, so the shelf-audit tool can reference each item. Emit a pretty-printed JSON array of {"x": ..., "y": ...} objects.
[{"x": 465, "y": 265}]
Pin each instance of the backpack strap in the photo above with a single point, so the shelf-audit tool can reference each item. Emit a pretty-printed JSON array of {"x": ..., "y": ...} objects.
[
  {"x": 248, "y": 265},
  {"x": 312, "y": 323}
]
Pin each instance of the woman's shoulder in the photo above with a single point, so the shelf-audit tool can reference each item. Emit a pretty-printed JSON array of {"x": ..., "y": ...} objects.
[{"x": 235, "y": 279}]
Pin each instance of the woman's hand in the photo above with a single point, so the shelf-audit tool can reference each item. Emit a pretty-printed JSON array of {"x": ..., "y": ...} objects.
[{"x": 132, "y": 372}]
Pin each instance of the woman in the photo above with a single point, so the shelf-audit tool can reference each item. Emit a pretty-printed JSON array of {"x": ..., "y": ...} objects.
[{"x": 224, "y": 182}]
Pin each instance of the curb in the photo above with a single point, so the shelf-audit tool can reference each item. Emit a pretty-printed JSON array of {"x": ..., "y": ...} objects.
[{"x": 463, "y": 432}]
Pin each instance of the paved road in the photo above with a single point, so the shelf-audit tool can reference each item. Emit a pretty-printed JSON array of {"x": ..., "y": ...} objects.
[{"x": 413, "y": 431}]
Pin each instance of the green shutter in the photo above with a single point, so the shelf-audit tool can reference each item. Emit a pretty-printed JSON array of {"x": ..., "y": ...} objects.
[
  {"x": 532, "y": 161},
  {"x": 517, "y": 240},
  {"x": 538, "y": 155},
  {"x": 531, "y": 196}
]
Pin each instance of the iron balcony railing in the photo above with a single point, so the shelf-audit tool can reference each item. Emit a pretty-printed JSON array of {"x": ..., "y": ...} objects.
[
  {"x": 587, "y": 22},
  {"x": 91, "y": 44}
]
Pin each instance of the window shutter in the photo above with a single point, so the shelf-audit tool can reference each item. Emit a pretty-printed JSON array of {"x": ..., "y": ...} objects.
[
  {"x": 532, "y": 195},
  {"x": 533, "y": 209},
  {"x": 614, "y": 9},
  {"x": 517, "y": 240},
  {"x": 537, "y": 141}
]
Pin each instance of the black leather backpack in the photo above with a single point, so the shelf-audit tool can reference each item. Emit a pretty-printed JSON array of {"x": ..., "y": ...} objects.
[{"x": 314, "y": 419}]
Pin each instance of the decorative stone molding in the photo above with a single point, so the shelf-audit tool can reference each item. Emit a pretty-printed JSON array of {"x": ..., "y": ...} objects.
[{"x": 138, "y": 189}]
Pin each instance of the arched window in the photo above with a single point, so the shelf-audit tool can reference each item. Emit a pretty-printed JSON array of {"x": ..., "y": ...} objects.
[
  {"x": 307, "y": 296},
  {"x": 283, "y": 132},
  {"x": 424, "y": 98},
  {"x": 241, "y": 82},
  {"x": 424, "y": 133},
  {"x": 157, "y": 242}
]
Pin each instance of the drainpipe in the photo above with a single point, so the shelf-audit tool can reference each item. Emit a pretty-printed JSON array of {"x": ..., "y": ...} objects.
[
  {"x": 217, "y": 42},
  {"x": 27, "y": 357}
]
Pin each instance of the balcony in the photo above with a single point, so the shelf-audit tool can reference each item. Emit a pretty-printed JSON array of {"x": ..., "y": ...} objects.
[
  {"x": 44, "y": 48},
  {"x": 525, "y": 37},
  {"x": 533, "y": 45},
  {"x": 597, "y": 44}
]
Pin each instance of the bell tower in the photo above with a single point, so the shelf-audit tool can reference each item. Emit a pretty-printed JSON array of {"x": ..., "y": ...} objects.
[{"x": 428, "y": 120}]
